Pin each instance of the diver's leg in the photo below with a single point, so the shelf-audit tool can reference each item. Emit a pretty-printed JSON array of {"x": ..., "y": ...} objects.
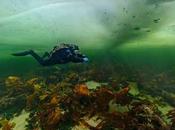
[
  {"x": 46, "y": 54},
  {"x": 37, "y": 57},
  {"x": 32, "y": 53}
]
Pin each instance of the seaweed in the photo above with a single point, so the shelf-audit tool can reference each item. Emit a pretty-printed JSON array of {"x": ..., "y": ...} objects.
[
  {"x": 171, "y": 116},
  {"x": 68, "y": 103},
  {"x": 7, "y": 125}
]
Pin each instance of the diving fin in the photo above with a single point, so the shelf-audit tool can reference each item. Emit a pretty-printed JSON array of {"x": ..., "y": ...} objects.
[{"x": 24, "y": 53}]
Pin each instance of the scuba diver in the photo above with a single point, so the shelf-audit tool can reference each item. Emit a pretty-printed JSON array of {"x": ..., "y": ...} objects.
[{"x": 61, "y": 54}]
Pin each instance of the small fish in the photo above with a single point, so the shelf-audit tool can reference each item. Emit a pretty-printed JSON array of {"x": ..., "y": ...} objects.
[
  {"x": 156, "y": 20},
  {"x": 137, "y": 28}
]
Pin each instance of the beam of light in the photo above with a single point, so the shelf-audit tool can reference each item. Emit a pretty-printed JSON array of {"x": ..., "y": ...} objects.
[
  {"x": 33, "y": 10},
  {"x": 106, "y": 23}
]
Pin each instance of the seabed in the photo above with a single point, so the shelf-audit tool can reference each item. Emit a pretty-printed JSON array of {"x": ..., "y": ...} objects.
[{"x": 87, "y": 98}]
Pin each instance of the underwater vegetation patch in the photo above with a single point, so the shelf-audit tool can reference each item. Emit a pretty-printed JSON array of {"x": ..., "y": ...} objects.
[{"x": 69, "y": 103}]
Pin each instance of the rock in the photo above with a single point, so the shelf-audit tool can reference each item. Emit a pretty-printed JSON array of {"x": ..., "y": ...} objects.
[
  {"x": 133, "y": 89},
  {"x": 93, "y": 85},
  {"x": 20, "y": 121}
]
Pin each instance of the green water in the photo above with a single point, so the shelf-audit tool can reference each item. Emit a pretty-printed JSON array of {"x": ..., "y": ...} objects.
[
  {"x": 122, "y": 30},
  {"x": 131, "y": 38}
]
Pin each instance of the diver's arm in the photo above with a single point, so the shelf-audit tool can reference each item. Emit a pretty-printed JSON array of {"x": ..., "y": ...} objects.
[{"x": 79, "y": 59}]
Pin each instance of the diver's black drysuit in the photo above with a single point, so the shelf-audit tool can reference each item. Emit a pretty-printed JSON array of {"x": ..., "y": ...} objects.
[{"x": 61, "y": 56}]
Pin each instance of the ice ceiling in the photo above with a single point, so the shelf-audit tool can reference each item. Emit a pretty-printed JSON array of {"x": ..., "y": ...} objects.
[{"x": 91, "y": 23}]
